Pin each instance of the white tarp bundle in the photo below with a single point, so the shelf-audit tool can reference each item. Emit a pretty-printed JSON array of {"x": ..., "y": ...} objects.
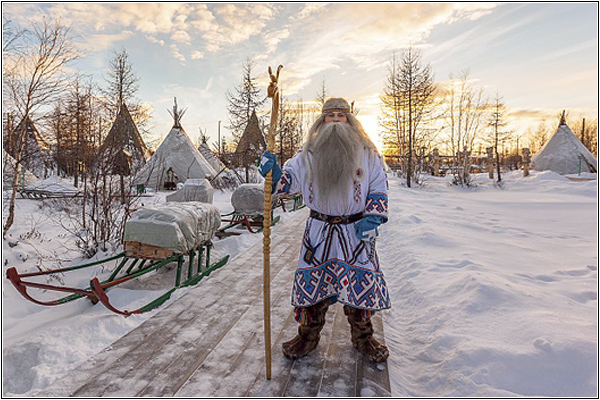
[
  {"x": 565, "y": 154},
  {"x": 178, "y": 153},
  {"x": 249, "y": 199},
  {"x": 180, "y": 227},
  {"x": 194, "y": 190}
]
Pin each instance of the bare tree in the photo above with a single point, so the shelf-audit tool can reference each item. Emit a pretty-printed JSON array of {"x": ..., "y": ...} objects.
[
  {"x": 410, "y": 99},
  {"x": 391, "y": 120},
  {"x": 122, "y": 82},
  {"x": 322, "y": 94},
  {"x": 498, "y": 123},
  {"x": 248, "y": 97},
  {"x": 80, "y": 114},
  {"x": 289, "y": 131},
  {"x": 587, "y": 131},
  {"x": 122, "y": 85},
  {"x": 465, "y": 110},
  {"x": 539, "y": 137},
  {"x": 10, "y": 33},
  {"x": 34, "y": 75}
]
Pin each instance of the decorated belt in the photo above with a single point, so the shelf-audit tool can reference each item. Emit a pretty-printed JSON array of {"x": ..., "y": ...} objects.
[{"x": 336, "y": 219}]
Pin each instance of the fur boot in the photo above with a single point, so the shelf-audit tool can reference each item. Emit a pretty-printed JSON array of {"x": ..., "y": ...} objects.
[
  {"x": 309, "y": 332},
  {"x": 362, "y": 336}
]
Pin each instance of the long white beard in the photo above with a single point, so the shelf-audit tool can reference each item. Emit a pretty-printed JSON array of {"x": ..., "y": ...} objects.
[{"x": 337, "y": 152}]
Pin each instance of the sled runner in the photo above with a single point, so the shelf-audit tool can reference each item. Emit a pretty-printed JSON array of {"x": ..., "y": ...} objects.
[
  {"x": 198, "y": 267},
  {"x": 295, "y": 199},
  {"x": 252, "y": 222},
  {"x": 155, "y": 236},
  {"x": 248, "y": 207}
]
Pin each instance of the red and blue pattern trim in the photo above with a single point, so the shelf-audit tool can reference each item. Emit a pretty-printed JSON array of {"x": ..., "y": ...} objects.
[
  {"x": 356, "y": 287},
  {"x": 377, "y": 203},
  {"x": 285, "y": 183}
]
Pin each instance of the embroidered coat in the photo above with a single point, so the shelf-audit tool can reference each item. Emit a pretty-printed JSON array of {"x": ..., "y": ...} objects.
[{"x": 343, "y": 267}]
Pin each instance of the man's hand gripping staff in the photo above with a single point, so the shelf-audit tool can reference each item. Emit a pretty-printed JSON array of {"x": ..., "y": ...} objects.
[{"x": 268, "y": 163}]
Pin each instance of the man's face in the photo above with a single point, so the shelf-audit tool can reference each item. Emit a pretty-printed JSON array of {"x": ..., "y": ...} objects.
[{"x": 336, "y": 116}]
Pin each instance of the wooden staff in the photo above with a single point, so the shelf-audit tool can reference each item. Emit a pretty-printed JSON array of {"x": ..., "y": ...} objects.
[{"x": 272, "y": 92}]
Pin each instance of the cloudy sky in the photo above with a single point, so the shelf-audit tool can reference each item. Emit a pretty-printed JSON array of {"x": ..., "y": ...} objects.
[{"x": 540, "y": 57}]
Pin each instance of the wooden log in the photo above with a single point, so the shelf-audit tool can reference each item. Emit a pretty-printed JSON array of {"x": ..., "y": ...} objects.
[{"x": 146, "y": 251}]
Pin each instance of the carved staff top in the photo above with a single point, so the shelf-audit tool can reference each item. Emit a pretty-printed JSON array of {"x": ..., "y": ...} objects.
[{"x": 273, "y": 92}]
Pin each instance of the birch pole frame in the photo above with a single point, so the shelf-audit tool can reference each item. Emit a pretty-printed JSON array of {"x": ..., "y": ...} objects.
[{"x": 273, "y": 93}]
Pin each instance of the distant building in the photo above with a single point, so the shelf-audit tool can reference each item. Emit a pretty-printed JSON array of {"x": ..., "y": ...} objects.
[{"x": 565, "y": 154}]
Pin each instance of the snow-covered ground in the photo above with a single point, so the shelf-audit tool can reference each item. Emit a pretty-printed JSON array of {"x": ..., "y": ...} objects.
[{"x": 494, "y": 291}]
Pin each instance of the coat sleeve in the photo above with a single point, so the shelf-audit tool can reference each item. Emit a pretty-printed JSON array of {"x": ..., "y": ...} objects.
[
  {"x": 290, "y": 182},
  {"x": 377, "y": 197}
]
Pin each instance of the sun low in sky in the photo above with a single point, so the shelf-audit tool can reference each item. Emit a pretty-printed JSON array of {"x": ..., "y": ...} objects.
[{"x": 542, "y": 58}]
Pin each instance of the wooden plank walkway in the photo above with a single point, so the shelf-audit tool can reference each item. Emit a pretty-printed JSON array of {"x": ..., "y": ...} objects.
[{"x": 209, "y": 343}]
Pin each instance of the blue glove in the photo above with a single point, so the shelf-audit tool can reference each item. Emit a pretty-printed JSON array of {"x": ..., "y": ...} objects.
[
  {"x": 268, "y": 163},
  {"x": 368, "y": 228}
]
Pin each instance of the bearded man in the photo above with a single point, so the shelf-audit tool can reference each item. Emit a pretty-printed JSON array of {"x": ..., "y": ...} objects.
[{"x": 342, "y": 180}]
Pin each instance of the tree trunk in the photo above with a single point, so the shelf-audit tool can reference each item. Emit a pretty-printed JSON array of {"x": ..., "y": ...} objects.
[
  {"x": 15, "y": 181},
  {"x": 122, "y": 189},
  {"x": 410, "y": 138},
  {"x": 13, "y": 197}
]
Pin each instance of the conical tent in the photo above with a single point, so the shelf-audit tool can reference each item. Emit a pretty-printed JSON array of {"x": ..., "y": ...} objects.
[
  {"x": 565, "y": 154},
  {"x": 124, "y": 136},
  {"x": 36, "y": 156},
  {"x": 176, "y": 160},
  {"x": 212, "y": 159},
  {"x": 251, "y": 145}
]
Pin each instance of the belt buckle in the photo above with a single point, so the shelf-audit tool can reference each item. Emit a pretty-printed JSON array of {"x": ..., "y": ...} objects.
[{"x": 336, "y": 220}]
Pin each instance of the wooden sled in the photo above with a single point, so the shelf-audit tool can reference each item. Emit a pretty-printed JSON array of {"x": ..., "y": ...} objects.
[
  {"x": 295, "y": 199},
  {"x": 253, "y": 223},
  {"x": 146, "y": 258}
]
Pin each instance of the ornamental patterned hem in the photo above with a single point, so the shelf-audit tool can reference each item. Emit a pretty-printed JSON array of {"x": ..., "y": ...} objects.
[{"x": 356, "y": 287}]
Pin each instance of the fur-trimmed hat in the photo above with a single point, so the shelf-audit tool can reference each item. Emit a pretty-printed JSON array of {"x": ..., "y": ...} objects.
[{"x": 336, "y": 104}]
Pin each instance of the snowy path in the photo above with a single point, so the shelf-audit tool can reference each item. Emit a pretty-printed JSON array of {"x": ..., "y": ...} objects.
[{"x": 209, "y": 342}]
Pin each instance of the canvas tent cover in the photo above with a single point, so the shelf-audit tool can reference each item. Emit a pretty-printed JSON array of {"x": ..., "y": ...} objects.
[
  {"x": 212, "y": 159},
  {"x": 565, "y": 154},
  {"x": 178, "y": 153},
  {"x": 179, "y": 227}
]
